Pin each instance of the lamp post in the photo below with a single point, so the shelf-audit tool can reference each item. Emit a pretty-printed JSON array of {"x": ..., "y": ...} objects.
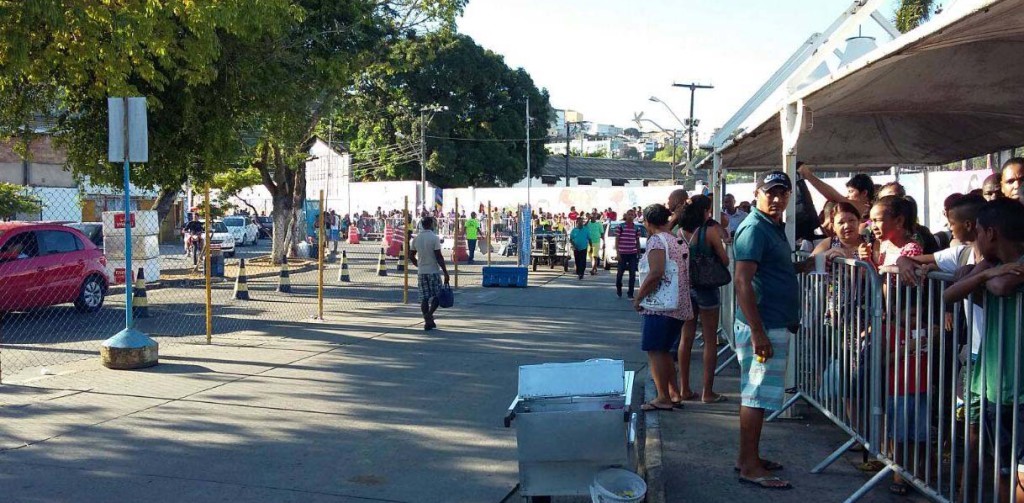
[
  {"x": 638, "y": 118},
  {"x": 423, "y": 147},
  {"x": 693, "y": 86}
]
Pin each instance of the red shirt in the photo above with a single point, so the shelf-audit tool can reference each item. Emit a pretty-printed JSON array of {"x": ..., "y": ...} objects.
[
  {"x": 610, "y": 215},
  {"x": 911, "y": 364},
  {"x": 573, "y": 215}
]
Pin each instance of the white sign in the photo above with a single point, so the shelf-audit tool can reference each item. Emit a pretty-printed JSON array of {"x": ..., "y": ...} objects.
[{"x": 137, "y": 130}]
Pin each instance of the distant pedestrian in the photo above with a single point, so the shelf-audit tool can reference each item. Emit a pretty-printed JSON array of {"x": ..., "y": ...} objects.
[
  {"x": 580, "y": 239},
  {"x": 472, "y": 226},
  {"x": 426, "y": 256},
  {"x": 596, "y": 230},
  {"x": 767, "y": 293},
  {"x": 627, "y": 248}
]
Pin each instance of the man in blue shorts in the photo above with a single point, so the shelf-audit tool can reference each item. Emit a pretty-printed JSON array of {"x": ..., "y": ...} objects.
[{"x": 767, "y": 293}]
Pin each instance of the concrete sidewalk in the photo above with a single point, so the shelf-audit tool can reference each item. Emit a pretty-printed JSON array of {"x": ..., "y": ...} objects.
[
  {"x": 367, "y": 408},
  {"x": 700, "y": 443}
]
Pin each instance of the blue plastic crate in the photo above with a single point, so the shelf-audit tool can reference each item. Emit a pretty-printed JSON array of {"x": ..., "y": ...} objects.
[{"x": 505, "y": 276}]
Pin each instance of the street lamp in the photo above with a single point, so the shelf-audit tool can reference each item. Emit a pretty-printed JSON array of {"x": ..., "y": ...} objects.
[
  {"x": 692, "y": 124},
  {"x": 638, "y": 118},
  {"x": 423, "y": 147}
]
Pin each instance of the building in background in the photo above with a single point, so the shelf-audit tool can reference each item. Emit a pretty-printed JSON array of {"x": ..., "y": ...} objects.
[{"x": 598, "y": 172}]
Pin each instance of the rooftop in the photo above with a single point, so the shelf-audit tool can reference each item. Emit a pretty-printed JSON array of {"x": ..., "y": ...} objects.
[{"x": 596, "y": 167}]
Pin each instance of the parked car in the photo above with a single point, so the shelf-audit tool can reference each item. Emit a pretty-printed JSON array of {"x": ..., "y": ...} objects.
[
  {"x": 92, "y": 230},
  {"x": 243, "y": 230},
  {"x": 609, "y": 255},
  {"x": 266, "y": 227},
  {"x": 222, "y": 239},
  {"x": 48, "y": 264}
]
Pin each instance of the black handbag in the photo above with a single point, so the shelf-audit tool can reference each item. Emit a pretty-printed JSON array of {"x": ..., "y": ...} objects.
[{"x": 706, "y": 271}]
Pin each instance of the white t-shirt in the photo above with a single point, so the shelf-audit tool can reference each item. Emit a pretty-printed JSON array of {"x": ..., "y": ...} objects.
[
  {"x": 734, "y": 220},
  {"x": 947, "y": 261},
  {"x": 425, "y": 244}
]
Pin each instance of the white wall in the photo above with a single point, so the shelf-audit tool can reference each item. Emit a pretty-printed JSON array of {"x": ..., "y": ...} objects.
[
  {"x": 573, "y": 182},
  {"x": 558, "y": 199}
]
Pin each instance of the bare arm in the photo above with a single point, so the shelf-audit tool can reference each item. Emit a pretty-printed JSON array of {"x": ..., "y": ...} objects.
[
  {"x": 1006, "y": 279},
  {"x": 440, "y": 261},
  {"x": 972, "y": 283},
  {"x": 715, "y": 240},
  {"x": 747, "y": 300},
  {"x": 825, "y": 189}
]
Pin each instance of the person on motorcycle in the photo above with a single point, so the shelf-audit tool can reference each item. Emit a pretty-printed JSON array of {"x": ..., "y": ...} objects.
[{"x": 193, "y": 232}]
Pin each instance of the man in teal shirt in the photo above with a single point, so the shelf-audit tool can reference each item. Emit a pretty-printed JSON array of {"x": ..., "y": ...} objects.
[
  {"x": 767, "y": 293},
  {"x": 596, "y": 230},
  {"x": 580, "y": 239}
]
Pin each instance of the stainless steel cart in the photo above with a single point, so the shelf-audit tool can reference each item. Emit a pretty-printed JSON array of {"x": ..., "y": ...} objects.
[{"x": 572, "y": 421}]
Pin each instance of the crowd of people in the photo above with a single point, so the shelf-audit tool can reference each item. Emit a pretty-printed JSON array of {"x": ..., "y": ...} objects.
[{"x": 983, "y": 246}]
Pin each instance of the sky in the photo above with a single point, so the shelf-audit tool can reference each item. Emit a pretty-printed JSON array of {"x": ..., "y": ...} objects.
[{"x": 605, "y": 58}]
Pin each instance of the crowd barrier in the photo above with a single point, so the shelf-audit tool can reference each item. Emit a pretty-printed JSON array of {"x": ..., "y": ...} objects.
[{"x": 897, "y": 369}]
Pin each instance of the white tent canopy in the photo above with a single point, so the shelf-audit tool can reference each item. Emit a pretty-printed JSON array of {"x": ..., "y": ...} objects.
[{"x": 950, "y": 90}]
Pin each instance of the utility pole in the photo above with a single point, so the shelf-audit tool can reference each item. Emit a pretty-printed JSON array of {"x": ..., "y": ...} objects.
[
  {"x": 529, "y": 180},
  {"x": 693, "y": 86},
  {"x": 567, "y": 151},
  {"x": 423, "y": 159}
]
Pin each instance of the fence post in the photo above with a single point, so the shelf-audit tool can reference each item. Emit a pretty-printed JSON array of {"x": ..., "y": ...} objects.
[
  {"x": 206, "y": 268},
  {"x": 320, "y": 261},
  {"x": 455, "y": 248},
  {"x": 490, "y": 232},
  {"x": 405, "y": 250}
]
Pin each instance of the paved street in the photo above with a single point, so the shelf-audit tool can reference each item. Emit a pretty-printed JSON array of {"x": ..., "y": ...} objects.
[
  {"x": 59, "y": 334},
  {"x": 369, "y": 408}
]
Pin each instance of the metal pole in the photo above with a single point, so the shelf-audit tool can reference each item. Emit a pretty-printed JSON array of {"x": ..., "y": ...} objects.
[
  {"x": 689, "y": 130},
  {"x": 405, "y": 250},
  {"x": 566, "y": 150},
  {"x": 320, "y": 261},
  {"x": 529, "y": 180},
  {"x": 490, "y": 229},
  {"x": 674, "y": 156},
  {"x": 423, "y": 160},
  {"x": 455, "y": 249},
  {"x": 128, "y": 271},
  {"x": 206, "y": 266}
]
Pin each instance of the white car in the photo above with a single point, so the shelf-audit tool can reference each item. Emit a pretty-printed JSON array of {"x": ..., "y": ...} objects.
[
  {"x": 221, "y": 239},
  {"x": 609, "y": 254},
  {"x": 243, "y": 230}
]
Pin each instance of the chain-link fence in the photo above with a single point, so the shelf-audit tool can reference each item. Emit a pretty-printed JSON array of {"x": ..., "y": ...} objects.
[{"x": 63, "y": 273}]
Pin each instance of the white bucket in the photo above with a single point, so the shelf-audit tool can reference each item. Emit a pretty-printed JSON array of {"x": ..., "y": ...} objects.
[{"x": 616, "y": 485}]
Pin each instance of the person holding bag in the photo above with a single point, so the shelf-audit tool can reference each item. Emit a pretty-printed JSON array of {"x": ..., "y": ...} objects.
[
  {"x": 708, "y": 271},
  {"x": 661, "y": 301}
]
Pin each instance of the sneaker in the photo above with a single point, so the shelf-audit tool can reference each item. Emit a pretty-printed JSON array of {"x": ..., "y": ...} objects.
[
  {"x": 430, "y": 325},
  {"x": 618, "y": 293},
  {"x": 630, "y": 296}
]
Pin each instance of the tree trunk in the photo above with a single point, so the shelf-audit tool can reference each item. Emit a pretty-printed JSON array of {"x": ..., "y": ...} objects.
[
  {"x": 283, "y": 216},
  {"x": 164, "y": 202}
]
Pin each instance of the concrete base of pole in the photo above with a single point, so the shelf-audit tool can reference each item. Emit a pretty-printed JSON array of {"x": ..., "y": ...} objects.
[{"x": 129, "y": 349}]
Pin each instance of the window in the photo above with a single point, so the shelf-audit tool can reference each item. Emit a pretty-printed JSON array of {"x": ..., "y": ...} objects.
[
  {"x": 52, "y": 242},
  {"x": 584, "y": 181},
  {"x": 618, "y": 182},
  {"x": 20, "y": 246},
  {"x": 234, "y": 222},
  {"x": 549, "y": 180}
]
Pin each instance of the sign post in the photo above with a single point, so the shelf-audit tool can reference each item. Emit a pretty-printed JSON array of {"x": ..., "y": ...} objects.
[{"x": 127, "y": 143}]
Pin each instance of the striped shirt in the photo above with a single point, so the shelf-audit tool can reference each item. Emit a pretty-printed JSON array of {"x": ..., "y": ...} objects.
[{"x": 627, "y": 239}]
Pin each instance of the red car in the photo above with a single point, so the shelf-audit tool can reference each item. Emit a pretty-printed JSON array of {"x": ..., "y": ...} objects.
[{"x": 44, "y": 264}]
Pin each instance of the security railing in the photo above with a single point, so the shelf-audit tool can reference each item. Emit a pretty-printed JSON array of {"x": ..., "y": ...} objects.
[{"x": 931, "y": 395}]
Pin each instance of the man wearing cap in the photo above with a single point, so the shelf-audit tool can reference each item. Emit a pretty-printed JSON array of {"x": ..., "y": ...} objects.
[{"x": 767, "y": 293}]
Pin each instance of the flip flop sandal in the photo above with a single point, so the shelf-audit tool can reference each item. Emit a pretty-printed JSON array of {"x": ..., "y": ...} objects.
[
  {"x": 716, "y": 399},
  {"x": 899, "y": 489},
  {"x": 767, "y": 465},
  {"x": 650, "y": 407},
  {"x": 764, "y": 483},
  {"x": 677, "y": 405}
]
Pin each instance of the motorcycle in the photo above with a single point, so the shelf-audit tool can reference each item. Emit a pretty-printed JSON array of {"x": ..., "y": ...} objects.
[{"x": 194, "y": 246}]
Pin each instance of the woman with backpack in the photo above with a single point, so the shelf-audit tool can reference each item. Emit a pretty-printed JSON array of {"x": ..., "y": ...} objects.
[{"x": 709, "y": 270}]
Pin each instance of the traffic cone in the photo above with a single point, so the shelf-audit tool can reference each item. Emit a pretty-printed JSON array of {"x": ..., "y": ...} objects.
[
  {"x": 241, "y": 283},
  {"x": 382, "y": 267},
  {"x": 343, "y": 272},
  {"x": 140, "y": 302},
  {"x": 284, "y": 282}
]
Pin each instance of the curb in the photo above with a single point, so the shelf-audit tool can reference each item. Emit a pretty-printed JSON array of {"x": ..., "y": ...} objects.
[{"x": 650, "y": 458}]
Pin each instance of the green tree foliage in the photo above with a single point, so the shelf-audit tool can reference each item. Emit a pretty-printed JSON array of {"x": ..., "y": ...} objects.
[
  {"x": 231, "y": 183},
  {"x": 14, "y": 200},
  {"x": 911, "y": 13},
  {"x": 479, "y": 140},
  {"x": 63, "y": 58}
]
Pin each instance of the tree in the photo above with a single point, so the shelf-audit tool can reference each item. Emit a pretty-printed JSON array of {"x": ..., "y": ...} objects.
[
  {"x": 630, "y": 152},
  {"x": 231, "y": 183},
  {"x": 479, "y": 140},
  {"x": 63, "y": 58},
  {"x": 14, "y": 200},
  {"x": 911, "y": 13},
  {"x": 631, "y": 132}
]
